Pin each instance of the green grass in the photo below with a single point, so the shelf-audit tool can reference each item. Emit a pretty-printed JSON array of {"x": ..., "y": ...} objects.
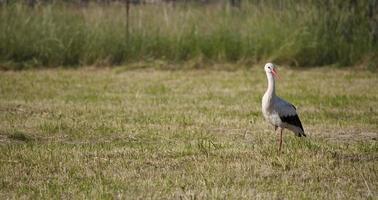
[
  {"x": 116, "y": 133},
  {"x": 303, "y": 34}
]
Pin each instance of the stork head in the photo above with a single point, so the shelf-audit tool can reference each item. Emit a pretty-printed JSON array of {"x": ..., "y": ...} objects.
[{"x": 270, "y": 68}]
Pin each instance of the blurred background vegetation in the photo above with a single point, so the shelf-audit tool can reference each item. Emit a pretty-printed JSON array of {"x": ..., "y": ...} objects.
[{"x": 75, "y": 33}]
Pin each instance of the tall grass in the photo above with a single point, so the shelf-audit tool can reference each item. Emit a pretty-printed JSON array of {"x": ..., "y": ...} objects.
[{"x": 303, "y": 34}]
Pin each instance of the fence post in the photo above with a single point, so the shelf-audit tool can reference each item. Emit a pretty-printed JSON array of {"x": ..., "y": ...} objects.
[
  {"x": 84, "y": 3},
  {"x": 235, "y": 3},
  {"x": 31, "y": 3},
  {"x": 3, "y": 2},
  {"x": 127, "y": 7}
]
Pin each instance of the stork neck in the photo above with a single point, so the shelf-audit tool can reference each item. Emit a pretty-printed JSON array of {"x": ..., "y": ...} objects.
[{"x": 271, "y": 91}]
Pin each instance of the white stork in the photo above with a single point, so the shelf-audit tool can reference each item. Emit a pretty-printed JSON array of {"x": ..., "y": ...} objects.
[{"x": 280, "y": 113}]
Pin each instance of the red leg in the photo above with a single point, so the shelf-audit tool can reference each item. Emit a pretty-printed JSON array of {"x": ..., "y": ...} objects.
[{"x": 281, "y": 129}]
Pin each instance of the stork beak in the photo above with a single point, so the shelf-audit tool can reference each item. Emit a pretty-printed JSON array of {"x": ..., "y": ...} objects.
[{"x": 274, "y": 72}]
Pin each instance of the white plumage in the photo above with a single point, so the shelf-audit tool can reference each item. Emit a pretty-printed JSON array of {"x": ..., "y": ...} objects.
[{"x": 278, "y": 112}]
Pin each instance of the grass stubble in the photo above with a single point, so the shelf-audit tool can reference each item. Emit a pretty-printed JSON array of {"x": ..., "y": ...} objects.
[{"x": 117, "y": 133}]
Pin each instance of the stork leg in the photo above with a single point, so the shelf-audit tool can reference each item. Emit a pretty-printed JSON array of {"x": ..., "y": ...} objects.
[{"x": 281, "y": 129}]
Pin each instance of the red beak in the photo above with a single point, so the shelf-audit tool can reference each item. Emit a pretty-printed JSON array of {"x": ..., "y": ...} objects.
[{"x": 274, "y": 72}]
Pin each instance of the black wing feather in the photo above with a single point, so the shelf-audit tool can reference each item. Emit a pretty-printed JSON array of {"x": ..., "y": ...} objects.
[{"x": 292, "y": 120}]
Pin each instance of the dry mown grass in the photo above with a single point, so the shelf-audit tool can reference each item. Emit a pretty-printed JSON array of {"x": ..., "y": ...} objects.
[{"x": 185, "y": 134}]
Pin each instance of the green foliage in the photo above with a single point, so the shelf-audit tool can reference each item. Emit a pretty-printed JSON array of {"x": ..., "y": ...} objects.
[{"x": 303, "y": 34}]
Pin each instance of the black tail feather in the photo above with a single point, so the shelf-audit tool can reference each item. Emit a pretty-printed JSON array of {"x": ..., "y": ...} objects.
[{"x": 294, "y": 121}]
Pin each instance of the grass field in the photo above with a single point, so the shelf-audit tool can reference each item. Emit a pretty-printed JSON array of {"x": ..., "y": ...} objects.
[{"x": 187, "y": 134}]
